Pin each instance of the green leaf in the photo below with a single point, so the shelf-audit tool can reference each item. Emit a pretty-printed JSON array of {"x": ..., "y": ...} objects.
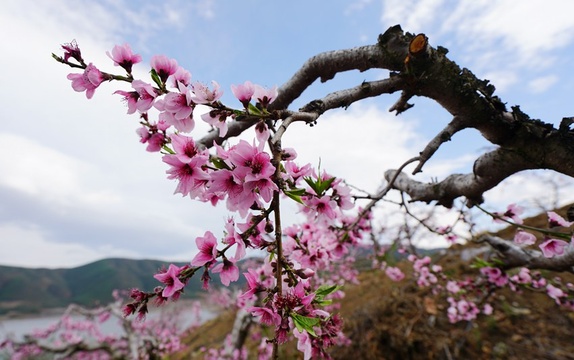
[
  {"x": 312, "y": 184},
  {"x": 324, "y": 185},
  {"x": 319, "y": 186},
  {"x": 219, "y": 163},
  {"x": 480, "y": 263},
  {"x": 305, "y": 323},
  {"x": 294, "y": 195},
  {"x": 253, "y": 110},
  {"x": 323, "y": 302},
  {"x": 167, "y": 149},
  {"x": 325, "y": 290},
  {"x": 155, "y": 78}
]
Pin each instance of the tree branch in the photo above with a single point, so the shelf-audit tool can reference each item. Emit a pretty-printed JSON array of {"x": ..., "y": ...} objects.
[
  {"x": 489, "y": 170},
  {"x": 418, "y": 69},
  {"x": 515, "y": 256}
]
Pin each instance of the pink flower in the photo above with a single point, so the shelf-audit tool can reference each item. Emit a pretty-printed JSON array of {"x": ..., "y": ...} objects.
[
  {"x": 192, "y": 178},
  {"x": 555, "y": 220},
  {"x": 164, "y": 66},
  {"x": 512, "y": 212},
  {"x": 251, "y": 163},
  {"x": 207, "y": 246},
  {"x": 141, "y": 99},
  {"x": 227, "y": 270},
  {"x": 523, "y": 276},
  {"x": 224, "y": 182},
  {"x": 177, "y": 103},
  {"x": 266, "y": 315},
  {"x": 202, "y": 94},
  {"x": 261, "y": 131},
  {"x": 487, "y": 309},
  {"x": 124, "y": 57},
  {"x": 232, "y": 238},
  {"x": 131, "y": 98},
  {"x": 186, "y": 124},
  {"x": 295, "y": 172},
  {"x": 216, "y": 120},
  {"x": 555, "y": 293},
  {"x": 72, "y": 50},
  {"x": 394, "y": 273},
  {"x": 419, "y": 263},
  {"x": 184, "y": 146},
  {"x": 262, "y": 188},
  {"x": 553, "y": 247},
  {"x": 342, "y": 195},
  {"x": 324, "y": 207},
  {"x": 264, "y": 96},
  {"x": 171, "y": 280},
  {"x": 150, "y": 135},
  {"x": 304, "y": 343},
  {"x": 288, "y": 154},
  {"x": 253, "y": 284},
  {"x": 88, "y": 81},
  {"x": 495, "y": 275},
  {"x": 452, "y": 287},
  {"x": 243, "y": 92},
  {"x": 181, "y": 76},
  {"x": 523, "y": 237}
]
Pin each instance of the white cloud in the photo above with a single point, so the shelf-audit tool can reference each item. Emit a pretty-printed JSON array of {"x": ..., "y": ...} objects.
[
  {"x": 27, "y": 246},
  {"x": 543, "y": 83},
  {"x": 358, "y": 144},
  {"x": 496, "y": 39},
  {"x": 533, "y": 190},
  {"x": 357, "y": 5},
  {"x": 74, "y": 168},
  {"x": 413, "y": 16},
  {"x": 48, "y": 175}
]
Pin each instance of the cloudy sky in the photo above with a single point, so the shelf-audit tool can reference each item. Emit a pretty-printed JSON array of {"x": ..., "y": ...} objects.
[{"x": 76, "y": 185}]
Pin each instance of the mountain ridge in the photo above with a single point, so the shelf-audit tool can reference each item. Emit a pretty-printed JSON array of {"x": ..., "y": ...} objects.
[{"x": 26, "y": 291}]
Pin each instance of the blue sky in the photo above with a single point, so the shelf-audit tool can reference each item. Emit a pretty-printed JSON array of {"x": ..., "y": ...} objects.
[{"x": 76, "y": 186}]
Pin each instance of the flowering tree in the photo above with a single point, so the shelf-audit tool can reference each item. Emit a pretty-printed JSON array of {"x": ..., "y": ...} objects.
[{"x": 291, "y": 290}]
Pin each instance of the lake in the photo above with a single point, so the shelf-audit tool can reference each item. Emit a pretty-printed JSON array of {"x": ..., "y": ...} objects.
[{"x": 18, "y": 327}]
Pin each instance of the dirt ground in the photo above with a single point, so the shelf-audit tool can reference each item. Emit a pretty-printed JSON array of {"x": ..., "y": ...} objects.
[{"x": 405, "y": 322}]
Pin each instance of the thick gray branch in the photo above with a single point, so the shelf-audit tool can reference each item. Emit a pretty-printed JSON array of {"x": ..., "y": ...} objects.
[
  {"x": 489, "y": 170},
  {"x": 325, "y": 66},
  {"x": 516, "y": 256}
]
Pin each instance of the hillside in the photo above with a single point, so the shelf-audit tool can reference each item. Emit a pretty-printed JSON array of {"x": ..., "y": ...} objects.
[
  {"x": 389, "y": 320},
  {"x": 28, "y": 291}
]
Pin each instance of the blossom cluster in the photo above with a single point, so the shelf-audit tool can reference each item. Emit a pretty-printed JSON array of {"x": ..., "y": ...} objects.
[
  {"x": 553, "y": 243},
  {"x": 248, "y": 176}
]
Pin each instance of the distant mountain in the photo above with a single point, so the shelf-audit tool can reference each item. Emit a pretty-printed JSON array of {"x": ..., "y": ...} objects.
[
  {"x": 26, "y": 291},
  {"x": 31, "y": 291}
]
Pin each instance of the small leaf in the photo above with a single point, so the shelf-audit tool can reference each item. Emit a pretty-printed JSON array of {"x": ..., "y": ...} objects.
[
  {"x": 311, "y": 183},
  {"x": 253, "y": 110},
  {"x": 294, "y": 195},
  {"x": 219, "y": 163},
  {"x": 155, "y": 78},
  {"x": 305, "y": 323},
  {"x": 480, "y": 263},
  {"x": 324, "y": 185},
  {"x": 325, "y": 290},
  {"x": 323, "y": 302}
]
